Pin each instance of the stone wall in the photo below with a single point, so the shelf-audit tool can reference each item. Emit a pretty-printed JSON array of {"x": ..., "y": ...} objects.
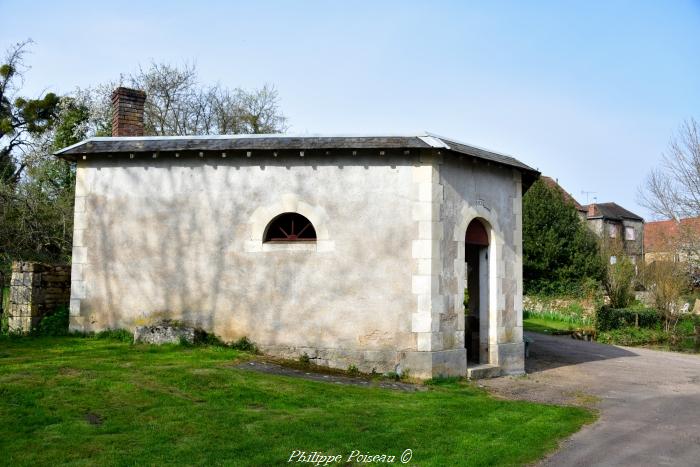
[
  {"x": 562, "y": 305},
  {"x": 36, "y": 290}
]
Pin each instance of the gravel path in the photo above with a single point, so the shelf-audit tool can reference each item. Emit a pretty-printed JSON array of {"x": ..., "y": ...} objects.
[{"x": 649, "y": 401}]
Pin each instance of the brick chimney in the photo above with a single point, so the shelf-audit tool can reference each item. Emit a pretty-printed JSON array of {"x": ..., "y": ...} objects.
[
  {"x": 127, "y": 112},
  {"x": 592, "y": 210}
]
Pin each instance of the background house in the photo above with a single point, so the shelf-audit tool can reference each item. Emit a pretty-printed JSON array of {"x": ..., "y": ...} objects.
[
  {"x": 672, "y": 240},
  {"x": 618, "y": 229}
]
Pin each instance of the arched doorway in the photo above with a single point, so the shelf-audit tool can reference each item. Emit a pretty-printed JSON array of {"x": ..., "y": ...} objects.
[{"x": 476, "y": 255}]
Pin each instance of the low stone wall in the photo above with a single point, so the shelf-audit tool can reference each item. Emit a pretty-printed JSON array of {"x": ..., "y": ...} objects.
[
  {"x": 561, "y": 305},
  {"x": 36, "y": 290}
]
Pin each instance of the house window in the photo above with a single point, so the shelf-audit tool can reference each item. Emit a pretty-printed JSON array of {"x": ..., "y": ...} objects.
[
  {"x": 613, "y": 231},
  {"x": 290, "y": 227},
  {"x": 629, "y": 233},
  {"x": 613, "y": 259}
]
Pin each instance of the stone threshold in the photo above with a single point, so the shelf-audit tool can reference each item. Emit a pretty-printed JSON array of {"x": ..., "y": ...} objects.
[{"x": 483, "y": 371}]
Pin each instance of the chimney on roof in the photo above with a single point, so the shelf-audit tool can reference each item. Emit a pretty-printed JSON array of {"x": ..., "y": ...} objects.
[
  {"x": 127, "y": 112},
  {"x": 592, "y": 210}
]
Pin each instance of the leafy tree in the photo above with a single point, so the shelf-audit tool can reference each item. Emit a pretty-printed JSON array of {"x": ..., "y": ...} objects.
[
  {"x": 21, "y": 119},
  {"x": 560, "y": 254},
  {"x": 36, "y": 189},
  {"x": 36, "y": 214}
]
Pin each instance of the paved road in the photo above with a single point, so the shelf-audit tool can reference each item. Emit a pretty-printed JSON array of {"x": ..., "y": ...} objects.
[{"x": 649, "y": 401}]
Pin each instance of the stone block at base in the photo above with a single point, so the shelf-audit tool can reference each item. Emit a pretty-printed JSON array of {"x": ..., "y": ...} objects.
[
  {"x": 511, "y": 358},
  {"x": 164, "y": 334},
  {"x": 429, "y": 364}
]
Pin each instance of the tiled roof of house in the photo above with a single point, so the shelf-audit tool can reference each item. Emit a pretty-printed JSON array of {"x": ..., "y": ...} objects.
[
  {"x": 659, "y": 235},
  {"x": 549, "y": 181},
  {"x": 611, "y": 211}
]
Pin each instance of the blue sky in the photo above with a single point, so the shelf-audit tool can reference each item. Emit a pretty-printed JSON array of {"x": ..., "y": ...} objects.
[{"x": 588, "y": 92}]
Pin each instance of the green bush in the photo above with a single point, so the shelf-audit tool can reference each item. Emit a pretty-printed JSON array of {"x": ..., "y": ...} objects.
[
  {"x": 4, "y": 298},
  {"x": 608, "y": 318},
  {"x": 55, "y": 324},
  {"x": 246, "y": 345}
]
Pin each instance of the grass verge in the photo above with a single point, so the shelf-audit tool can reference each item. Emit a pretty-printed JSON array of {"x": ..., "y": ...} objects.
[
  {"x": 546, "y": 326},
  {"x": 87, "y": 401}
]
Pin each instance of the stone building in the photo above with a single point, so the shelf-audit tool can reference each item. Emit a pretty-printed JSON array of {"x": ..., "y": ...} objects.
[
  {"x": 352, "y": 250},
  {"x": 672, "y": 240},
  {"x": 618, "y": 229}
]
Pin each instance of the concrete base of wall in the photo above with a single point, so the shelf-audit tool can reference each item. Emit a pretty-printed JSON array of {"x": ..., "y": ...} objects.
[
  {"x": 511, "y": 358},
  {"x": 425, "y": 365},
  {"x": 366, "y": 361}
]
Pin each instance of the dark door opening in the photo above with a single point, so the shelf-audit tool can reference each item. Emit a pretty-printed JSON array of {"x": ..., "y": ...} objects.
[{"x": 476, "y": 313}]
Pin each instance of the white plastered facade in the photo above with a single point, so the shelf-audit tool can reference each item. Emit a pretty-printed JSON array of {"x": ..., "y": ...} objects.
[{"x": 380, "y": 289}]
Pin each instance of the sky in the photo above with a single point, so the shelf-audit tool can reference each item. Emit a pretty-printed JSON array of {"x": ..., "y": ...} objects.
[{"x": 588, "y": 92}]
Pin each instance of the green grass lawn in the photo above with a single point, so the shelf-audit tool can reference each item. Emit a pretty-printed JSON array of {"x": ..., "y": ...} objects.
[
  {"x": 86, "y": 401},
  {"x": 546, "y": 326}
]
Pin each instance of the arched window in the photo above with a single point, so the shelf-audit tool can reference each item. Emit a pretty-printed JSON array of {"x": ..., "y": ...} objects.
[{"x": 290, "y": 227}]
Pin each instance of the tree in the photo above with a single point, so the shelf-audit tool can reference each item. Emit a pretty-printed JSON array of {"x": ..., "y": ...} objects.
[
  {"x": 36, "y": 189},
  {"x": 672, "y": 191},
  {"x": 560, "y": 254},
  {"x": 619, "y": 275},
  {"x": 667, "y": 281},
  {"x": 177, "y": 104},
  {"x": 21, "y": 119},
  {"x": 36, "y": 214}
]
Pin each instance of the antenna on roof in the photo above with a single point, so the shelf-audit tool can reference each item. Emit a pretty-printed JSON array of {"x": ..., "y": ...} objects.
[{"x": 588, "y": 193}]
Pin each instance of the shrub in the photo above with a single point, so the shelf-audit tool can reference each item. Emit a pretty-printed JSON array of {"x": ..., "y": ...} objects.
[
  {"x": 121, "y": 335},
  {"x": 668, "y": 282},
  {"x": 4, "y": 324},
  {"x": 246, "y": 345},
  {"x": 353, "y": 370},
  {"x": 55, "y": 324},
  {"x": 392, "y": 375},
  {"x": 618, "y": 282},
  {"x": 608, "y": 318}
]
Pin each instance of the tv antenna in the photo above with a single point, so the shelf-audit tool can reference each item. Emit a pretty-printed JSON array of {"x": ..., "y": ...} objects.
[{"x": 588, "y": 195}]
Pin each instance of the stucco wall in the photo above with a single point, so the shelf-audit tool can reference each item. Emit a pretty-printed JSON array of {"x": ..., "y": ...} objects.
[
  {"x": 183, "y": 239},
  {"x": 382, "y": 286}
]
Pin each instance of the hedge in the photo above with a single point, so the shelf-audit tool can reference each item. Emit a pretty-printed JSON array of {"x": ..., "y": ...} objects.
[{"x": 608, "y": 318}]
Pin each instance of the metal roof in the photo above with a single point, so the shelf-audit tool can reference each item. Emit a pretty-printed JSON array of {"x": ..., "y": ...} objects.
[{"x": 165, "y": 144}]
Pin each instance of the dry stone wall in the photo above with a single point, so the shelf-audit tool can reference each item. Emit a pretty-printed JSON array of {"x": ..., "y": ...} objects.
[{"x": 36, "y": 290}]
